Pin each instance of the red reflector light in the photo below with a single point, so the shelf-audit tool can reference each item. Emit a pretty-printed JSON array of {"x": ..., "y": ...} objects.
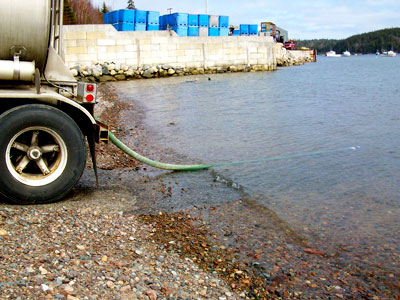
[
  {"x": 90, "y": 87},
  {"x": 89, "y": 98}
]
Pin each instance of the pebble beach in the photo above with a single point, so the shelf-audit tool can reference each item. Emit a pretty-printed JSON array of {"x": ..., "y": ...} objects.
[{"x": 114, "y": 242}]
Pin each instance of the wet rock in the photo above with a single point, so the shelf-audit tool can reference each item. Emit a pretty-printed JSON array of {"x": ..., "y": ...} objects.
[
  {"x": 74, "y": 72},
  {"x": 111, "y": 67},
  {"x": 106, "y": 78},
  {"x": 148, "y": 73},
  {"x": 232, "y": 69},
  {"x": 96, "y": 71},
  {"x": 104, "y": 70},
  {"x": 120, "y": 77}
]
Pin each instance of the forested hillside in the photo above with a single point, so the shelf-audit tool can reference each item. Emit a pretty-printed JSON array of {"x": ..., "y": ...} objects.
[
  {"x": 81, "y": 12},
  {"x": 381, "y": 40}
]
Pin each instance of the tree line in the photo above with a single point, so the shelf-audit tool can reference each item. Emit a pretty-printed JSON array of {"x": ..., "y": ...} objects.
[
  {"x": 380, "y": 40},
  {"x": 84, "y": 12}
]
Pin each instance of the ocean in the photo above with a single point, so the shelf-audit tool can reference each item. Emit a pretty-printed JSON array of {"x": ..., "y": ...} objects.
[{"x": 347, "y": 199}]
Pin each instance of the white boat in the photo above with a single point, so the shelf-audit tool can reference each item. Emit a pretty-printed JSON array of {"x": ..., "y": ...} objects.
[
  {"x": 389, "y": 53},
  {"x": 346, "y": 53},
  {"x": 332, "y": 54}
]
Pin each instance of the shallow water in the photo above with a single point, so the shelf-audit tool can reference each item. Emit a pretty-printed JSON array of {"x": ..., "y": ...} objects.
[{"x": 337, "y": 200}]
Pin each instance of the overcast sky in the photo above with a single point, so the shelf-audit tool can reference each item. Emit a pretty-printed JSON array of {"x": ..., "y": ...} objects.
[{"x": 336, "y": 19}]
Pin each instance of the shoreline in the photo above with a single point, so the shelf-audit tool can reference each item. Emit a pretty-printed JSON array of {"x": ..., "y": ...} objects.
[
  {"x": 238, "y": 248},
  {"x": 238, "y": 212}
]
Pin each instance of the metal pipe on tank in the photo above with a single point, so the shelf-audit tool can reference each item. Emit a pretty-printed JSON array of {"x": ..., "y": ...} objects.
[{"x": 17, "y": 70}]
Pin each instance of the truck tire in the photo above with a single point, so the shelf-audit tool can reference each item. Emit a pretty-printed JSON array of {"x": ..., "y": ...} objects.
[{"x": 42, "y": 154}]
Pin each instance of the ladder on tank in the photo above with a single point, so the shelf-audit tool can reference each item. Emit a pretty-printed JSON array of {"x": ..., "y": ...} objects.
[{"x": 57, "y": 13}]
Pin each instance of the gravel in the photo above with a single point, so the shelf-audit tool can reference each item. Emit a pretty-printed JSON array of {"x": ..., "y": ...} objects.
[
  {"x": 63, "y": 251},
  {"x": 92, "y": 245},
  {"x": 114, "y": 242}
]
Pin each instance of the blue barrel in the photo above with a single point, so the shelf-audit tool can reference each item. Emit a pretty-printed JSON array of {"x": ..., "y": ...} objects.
[
  {"x": 114, "y": 17},
  {"x": 236, "y": 32},
  {"x": 180, "y": 30},
  {"x": 141, "y": 16},
  {"x": 126, "y": 26},
  {"x": 140, "y": 26},
  {"x": 213, "y": 31},
  {"x": 204, "y": 20},
  {"x": 153, "y": 27},
  {"x": 164, "y": 21},
  {"x": 126, "y": 16},
  {"x": 244, "y": 29},
  {"x": 193, "y": 31},
  {"x": 153, "y": 17},
  {"x": 224, "y": 21},
  {"x": 179, "y": 19},
  {"x": 223, "y": 31},
  {"x": 193, "y": 20},
  {"x": 106, "y": 18},
  {"x": 253, "y": 29},
  {"x": 116, "y": 26}
]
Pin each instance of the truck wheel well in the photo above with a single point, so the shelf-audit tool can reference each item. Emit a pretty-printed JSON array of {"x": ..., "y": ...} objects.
[{"x": 78, "y": 116}]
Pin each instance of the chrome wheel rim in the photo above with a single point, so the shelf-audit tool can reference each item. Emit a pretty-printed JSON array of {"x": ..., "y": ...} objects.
[{"x": 36, "y": 156}]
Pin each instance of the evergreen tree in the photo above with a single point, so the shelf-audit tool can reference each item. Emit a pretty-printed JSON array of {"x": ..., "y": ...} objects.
[
  {"x": 104, "y": 9},
  {"x": 131, "y": 4}
]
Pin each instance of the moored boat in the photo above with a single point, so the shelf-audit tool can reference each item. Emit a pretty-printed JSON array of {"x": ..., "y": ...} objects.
[
  {"x": 346, "y": 53},
  {"x": 332, "y": 54},
  {"x": 390, "y": 53}
]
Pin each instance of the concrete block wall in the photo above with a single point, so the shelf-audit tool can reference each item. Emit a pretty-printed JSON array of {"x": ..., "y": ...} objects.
[{"x": 90, "y": 44}]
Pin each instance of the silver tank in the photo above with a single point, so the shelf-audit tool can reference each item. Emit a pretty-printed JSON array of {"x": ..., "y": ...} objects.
[{"x": 25, "y": 24}]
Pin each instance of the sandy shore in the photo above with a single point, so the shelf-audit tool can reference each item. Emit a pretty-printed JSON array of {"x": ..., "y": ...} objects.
[{"x": 122, "y": 241}]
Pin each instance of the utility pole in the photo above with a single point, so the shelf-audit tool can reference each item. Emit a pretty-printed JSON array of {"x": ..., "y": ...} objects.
[{"x": 170, "y": 10}]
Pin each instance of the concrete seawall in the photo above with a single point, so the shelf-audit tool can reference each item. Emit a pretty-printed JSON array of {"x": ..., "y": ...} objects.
[{"x": 91, "y": 45}]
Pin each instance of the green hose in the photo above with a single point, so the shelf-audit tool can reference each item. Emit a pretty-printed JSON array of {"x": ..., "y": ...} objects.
[
  {"x": 153, "y": 163},
  {"x": 173, "y": 167}
]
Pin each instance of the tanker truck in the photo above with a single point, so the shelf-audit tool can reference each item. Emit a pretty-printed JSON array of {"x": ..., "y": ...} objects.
[{"x": 46, "y": 116}]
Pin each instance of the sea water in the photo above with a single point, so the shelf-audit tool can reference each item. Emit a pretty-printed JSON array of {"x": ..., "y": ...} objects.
[{"x": 346, "y": 198}]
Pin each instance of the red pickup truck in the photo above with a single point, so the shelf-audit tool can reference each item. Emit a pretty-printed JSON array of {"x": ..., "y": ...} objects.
[{"x": 289, "y": 45}]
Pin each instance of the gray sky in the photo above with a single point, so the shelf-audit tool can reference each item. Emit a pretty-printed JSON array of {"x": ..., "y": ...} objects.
[{"x": 303, "y": 19}]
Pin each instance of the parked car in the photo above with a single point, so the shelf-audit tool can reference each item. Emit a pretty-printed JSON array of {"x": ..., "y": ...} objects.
[{"x": 289, "y": 45}]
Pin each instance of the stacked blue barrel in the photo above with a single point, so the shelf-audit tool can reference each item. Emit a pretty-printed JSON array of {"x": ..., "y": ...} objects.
[
  {"x": 253, "y": 29},
  {"x": 153, "y": 21},
  {"x": 203, "y": 25},
  {"x": 246, "y": 29},
  {"x": 223, "y": 25},
  {"x": 213, "y": 29},
  {"x": 177, "y": 22},
  {"x": 133, "y": 20},
  {"x": 182, "y": 23},
  {"x": 195, "y": 25},
  {"x": 140, "y": 20}
]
